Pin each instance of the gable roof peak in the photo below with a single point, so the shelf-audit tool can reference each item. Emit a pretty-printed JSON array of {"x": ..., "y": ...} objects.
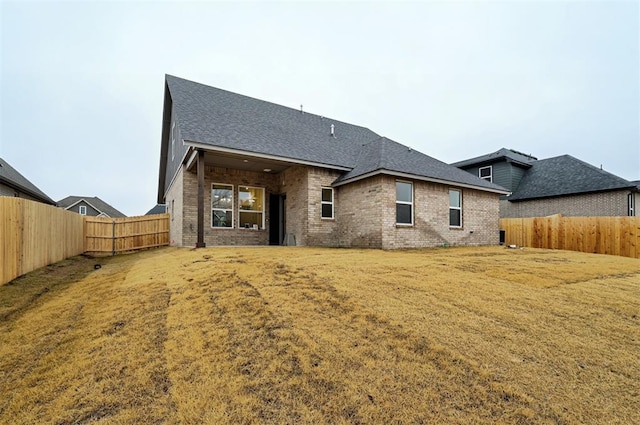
[{"x": 510, "y": 155}]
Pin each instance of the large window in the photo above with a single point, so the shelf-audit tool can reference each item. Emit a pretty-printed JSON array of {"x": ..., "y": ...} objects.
[
  {"x": 327, "y": 202},
  {"x": 455, "y": 208},
  {"x": 486, "y": 173},
  {"x": 404, "y": 203},
  {"x": 221, "y": 205},
  {"x": 251, "y": 207}
]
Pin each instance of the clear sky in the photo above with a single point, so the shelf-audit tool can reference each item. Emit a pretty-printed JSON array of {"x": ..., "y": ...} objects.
[{"x": 81, "y": 83}]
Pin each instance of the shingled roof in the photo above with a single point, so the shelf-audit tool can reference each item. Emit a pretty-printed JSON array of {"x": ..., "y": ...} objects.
[
  {"x": 385, "y": 155},
  {"x": 565, "y": 175},
  {"x": 95, "y": 202},
  {"x": 208, "y": 117},
  {"x": 9, "y": 176},
  {"x": 219, "y": 118},
  {"x": 509, "y": 155}
]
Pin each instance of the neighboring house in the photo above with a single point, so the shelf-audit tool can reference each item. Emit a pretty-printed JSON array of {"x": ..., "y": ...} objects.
[
  {"x": 235, "y": 170},
  {"x": 560, "y": 185},
  {"x": 158, "y": 209},
  {"x": 14, "y": 184},
  {"x": 91, "y": 206}
]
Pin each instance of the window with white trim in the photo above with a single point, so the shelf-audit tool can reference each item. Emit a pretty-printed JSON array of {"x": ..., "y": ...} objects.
[
  {"x": 455, "y": 208},
  {"x": 221, "y": 205},
  {"x": 404, "y": 202},
  {"x": 251, "y": 207},
  {"x": 631, "y": 203},
  {"x": 82, "y": 209},
  {"x": 486, "y": 173},
  {"x": 327, "y": 202}
]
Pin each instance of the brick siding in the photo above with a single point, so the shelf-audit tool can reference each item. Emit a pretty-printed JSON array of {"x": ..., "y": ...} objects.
[
  {"x": 223, "y": 236},
  {"x": 364, "y": 211},
  {"x": 602, "y": 204},
  {"x": 174, "y": 202},
  {"x": 361, "y": 211},
  {"x": 294, "y": 184},
  {"x": 367, "y": 216},
  {"x": 321, "y": 232}
]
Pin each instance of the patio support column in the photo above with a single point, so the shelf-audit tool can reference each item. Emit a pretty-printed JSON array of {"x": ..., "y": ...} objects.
[{"x": 200, "y": 219}]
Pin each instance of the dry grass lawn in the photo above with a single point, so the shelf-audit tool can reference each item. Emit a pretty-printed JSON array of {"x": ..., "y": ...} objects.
[{"x": 307, "y": 335}]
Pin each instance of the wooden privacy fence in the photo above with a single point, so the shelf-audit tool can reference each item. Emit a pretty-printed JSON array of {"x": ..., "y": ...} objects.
[
  {"x": 33, "y": 235},
  {"x": 599, "y": 235},
  {"x": 114, "y": 235}
]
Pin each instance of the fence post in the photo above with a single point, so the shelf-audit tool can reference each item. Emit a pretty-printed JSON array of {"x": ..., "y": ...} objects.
[{"x": 113, "y": 240}]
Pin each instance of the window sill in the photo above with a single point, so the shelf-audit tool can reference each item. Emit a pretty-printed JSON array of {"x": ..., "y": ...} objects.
[{"x": 402, "y": 225}]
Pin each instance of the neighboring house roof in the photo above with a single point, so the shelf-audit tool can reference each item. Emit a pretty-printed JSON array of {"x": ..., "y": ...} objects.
[
  {"x": 384, "y": 155},
  {"x": 158, "y": 209},
  {"x": 10, "y": 177},
  {"x": 509, "y": 155},
  {"x": 212, "y": 118},
  {"x": 93, "y": 201},
  {"x": 565, "y": 175}
]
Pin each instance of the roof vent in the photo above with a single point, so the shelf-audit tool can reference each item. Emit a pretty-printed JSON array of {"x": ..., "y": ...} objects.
[
  {"x": 301, "y": 111},
  {"x": 333, "y": 134}
]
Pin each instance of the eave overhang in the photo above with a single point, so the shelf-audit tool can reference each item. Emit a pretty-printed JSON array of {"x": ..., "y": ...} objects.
[
  {"x": 420, "y": 178},
  {"x": 258, "y": 155}
]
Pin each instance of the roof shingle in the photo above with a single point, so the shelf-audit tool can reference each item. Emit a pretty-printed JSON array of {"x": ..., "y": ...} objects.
[
  {"x": 94, "y": 201},
  {"x": 220, "y": 119},
  {"x": 565, "y": 175},
  {"x": 11, "y": 177},
  {"x": 386, "y": 155},
  {"x": 508, "y": 154}
]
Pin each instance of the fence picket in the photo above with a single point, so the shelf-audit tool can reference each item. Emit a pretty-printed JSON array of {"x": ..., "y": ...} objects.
[
  {"x": 33, "y": 235},
  {"x": 601, "y": 235}
]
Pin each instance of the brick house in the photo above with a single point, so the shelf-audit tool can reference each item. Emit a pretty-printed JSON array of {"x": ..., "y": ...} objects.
[
  {"x": 559, "y": 185},
  {"x": 235, "y": 170}
]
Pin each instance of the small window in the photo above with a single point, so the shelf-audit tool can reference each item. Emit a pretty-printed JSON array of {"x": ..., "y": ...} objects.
[
  {"x": 251, "y": 207},
  {"x": 404, "y": 203},
  {"x": 82, "y": 210},
  {"x": 173, "y": 141},
  {"x": 221, "y": 205},
  {"x": 631, "y": 203},
  {"x": 486, "y": 173},
  {"x": 455, "y": 208},
  {"x": 327, "y": 202}
]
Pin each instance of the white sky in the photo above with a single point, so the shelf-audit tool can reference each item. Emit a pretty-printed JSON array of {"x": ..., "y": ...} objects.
[{"x": 81, "y": 84}]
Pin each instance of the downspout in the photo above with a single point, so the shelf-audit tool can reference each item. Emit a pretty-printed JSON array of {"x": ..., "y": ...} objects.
[{"x": 200, "y": 219}]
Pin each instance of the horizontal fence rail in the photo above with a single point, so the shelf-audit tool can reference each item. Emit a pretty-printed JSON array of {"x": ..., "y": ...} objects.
[
  {"x": 115, "y": 235},
  {"x": 599, "y": 235},
  {"x": 33, "y": 235}
]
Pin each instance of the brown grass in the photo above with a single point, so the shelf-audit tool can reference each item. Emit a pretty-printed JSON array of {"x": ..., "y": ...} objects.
[{"x": 306, "y": 335}]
